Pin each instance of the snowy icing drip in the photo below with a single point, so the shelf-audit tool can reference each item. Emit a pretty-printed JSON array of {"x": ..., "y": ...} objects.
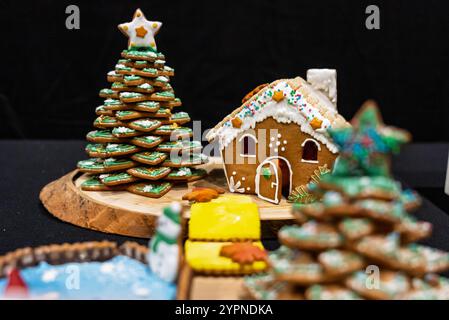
[{"x": 293, "y": 107}]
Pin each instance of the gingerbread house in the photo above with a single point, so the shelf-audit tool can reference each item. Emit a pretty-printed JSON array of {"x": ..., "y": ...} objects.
[{"x": 277, "y": 141}]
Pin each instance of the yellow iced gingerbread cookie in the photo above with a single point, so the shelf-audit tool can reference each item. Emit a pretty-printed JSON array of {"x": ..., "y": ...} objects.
[
  {"x": 205, "y": 257},
  {"x": 227, "y": 218}
]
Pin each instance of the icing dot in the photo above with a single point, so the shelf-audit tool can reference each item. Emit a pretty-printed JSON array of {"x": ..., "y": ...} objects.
[
  {"x": 270, "y": 145},
  {"x": 279, "y": 135},
  {"x": 283, "y": 149},
  {"x": 285, "y": 141},
  {"x": 275, "y": 149},
  {"x": 278, "y": 143},
  {"x": 234, "y": 173},
  {"x": 243, "y": 178},
  {"x": 248, "y": 188},
  {"x": 272, "y": 138}
]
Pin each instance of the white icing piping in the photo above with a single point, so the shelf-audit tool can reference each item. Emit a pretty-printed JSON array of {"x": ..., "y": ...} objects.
[
  {"x": 282, "y": 113},
  {"x": 286, "y": 111}
]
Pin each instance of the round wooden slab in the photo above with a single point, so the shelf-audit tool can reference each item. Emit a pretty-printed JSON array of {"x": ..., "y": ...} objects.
[{"x": 128, "y": 214}]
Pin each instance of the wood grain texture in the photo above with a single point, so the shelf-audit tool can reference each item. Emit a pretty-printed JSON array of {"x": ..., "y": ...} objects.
[{"x": 124, "y": 213}]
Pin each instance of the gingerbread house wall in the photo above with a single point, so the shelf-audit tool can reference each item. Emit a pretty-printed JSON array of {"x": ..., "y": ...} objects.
[{"x": 243, "y": 169}]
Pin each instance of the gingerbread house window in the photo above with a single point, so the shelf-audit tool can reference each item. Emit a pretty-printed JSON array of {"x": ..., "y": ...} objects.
[
  {"x": 248, "y": 145},
  {"x": 310, "y": 148}
]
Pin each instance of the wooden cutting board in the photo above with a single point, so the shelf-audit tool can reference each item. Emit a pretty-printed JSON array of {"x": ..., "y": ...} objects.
[{"x": 128, "y": 214}]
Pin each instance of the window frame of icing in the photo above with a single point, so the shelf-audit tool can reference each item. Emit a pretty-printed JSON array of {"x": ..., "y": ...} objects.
[
  {"x": 242, "y": 145},
  {"x": 318, "y": 149}
]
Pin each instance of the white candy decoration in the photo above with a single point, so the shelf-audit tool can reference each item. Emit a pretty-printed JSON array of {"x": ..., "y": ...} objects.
[{"x": 140, "y": 31}]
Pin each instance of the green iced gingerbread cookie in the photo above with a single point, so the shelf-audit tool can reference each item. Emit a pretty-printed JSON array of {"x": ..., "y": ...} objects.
[
  {"x": 177, "y": 161},
  {"x": 129, "y": 97},
  {"x": 133, "y": 80},
  {"x": 185, "y": 174},
  {"x": 330, "y": 292},
  {"x": 151, "y": 190},
  {"x": 119, "y": 87},
  {"x": 149, "y": 157},
  {"x": 311, "y": 236},
  {"x": 147, "y": 106},
  {"x": 149, "y": 173},
  {"x": 162, "y": 96},
  {"x": 114, "y": 104},
  {"x": 104, "y": 122},
  {"x": 179, "y": 146},
  {"x": 102, "y": 111},
  {"x": 94, "y": 165},
  {"x": 113, "y": 76},
  {"x": 114, "y": 179},
  {"x": 131, "y": 114},
  {"x": 174, "y": 131},
  {"x": 125, "y": 132},
  {"x": 144, "y": 88},
  {"x": 102, "y": 136},
  {"x": 144, "y": 125},
  {"x": 146, "y": 141},
  {"x": 94, "y": 184},
  {"x": 179, "y": 118},
  {"x": 171, "y": 104},
  {"x": 147, "y": 72},
  {"x": 108, "y": 93},
  {"x": 98, "y": 150}
]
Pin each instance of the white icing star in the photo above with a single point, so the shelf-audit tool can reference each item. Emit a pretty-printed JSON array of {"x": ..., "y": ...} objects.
[{"x": 140, "y": 31}]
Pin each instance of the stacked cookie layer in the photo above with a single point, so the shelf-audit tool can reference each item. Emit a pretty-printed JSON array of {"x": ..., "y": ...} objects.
[
  {"x": 140, "y": 143},
  {"x": 354, "y": 246},
  {"x": 359, "y": 241},
  {"x": 224, "y": 237}
]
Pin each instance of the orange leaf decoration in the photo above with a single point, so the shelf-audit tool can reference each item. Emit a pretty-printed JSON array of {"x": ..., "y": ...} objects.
[
  {"x": 243, "y": 252},
  {"x": 201, "y": 195},
  {"x": 316, "y": 123},
  {"x": 253, "y": 92}
]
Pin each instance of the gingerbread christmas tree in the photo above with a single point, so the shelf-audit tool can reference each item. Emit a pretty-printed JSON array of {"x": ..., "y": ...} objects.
[
  {"x": 140, "y": 143},
  {"x": 359, "y": 242}
]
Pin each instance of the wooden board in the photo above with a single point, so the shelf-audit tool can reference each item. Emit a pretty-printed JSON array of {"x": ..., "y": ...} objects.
[
  {"x": 192, "y": 286},
  {"x": 124, "y": 213}
]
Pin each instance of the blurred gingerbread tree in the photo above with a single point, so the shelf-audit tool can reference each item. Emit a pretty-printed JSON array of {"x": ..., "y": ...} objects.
[
  {"x": 138, "y": 136},
  {"x": 359, "y": 241}
]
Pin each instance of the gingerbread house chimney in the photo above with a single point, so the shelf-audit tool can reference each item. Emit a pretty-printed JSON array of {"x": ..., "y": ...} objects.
[{"x": 325, "y": 81}]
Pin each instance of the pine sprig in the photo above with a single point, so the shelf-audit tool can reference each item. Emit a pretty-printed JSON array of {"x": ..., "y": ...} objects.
[{"x": 301, "y": 194}]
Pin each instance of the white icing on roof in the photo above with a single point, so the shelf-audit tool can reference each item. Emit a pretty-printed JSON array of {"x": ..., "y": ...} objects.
[{"x": 299, "y": 106}]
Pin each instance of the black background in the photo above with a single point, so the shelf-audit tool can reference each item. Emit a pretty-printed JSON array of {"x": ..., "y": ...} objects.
[{"x": 50, "y": 76}]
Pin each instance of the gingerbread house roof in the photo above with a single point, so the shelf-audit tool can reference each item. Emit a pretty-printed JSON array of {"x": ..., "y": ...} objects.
[{"x": 286, "y": 100}]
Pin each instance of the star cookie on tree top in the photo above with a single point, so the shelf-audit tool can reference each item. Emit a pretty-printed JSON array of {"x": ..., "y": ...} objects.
[
  {"x": 140, "y": 31},
  {"x": 365, "y": 148}
]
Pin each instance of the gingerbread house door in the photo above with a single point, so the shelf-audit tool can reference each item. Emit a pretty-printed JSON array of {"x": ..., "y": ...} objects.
[{"x": 269, "y": 181}]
